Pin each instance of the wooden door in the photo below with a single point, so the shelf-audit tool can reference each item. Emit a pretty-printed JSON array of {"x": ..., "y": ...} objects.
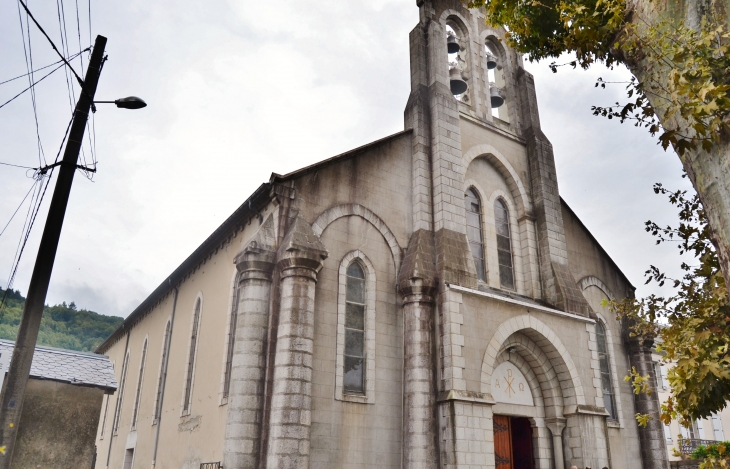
[{"x": 502, "y": 442}]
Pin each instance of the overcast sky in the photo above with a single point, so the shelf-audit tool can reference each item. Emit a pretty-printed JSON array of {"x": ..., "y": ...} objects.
[{"x": 239, "y": 89}]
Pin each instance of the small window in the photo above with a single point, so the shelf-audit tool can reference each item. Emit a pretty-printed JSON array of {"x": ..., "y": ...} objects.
[
  {"x": 103, "y": 420},
  {"x": 354, "y": 372},
  {"x": 658, "y": 376},
  {"x": 504, "y": 245},
  {"x": 605, "y": 364},
  {"x": 138, "y": 394},
  {"x": 663, "y": 373},
  {"x": 120, "y": 395},
  {"x": 474, "y": 231},
  {"x": 191, "y": 359},
  {"x": 668, "y": 432},
  {"x": 717, "y": 427},
  {"x": 231, "y": 338},
  {"x": 161, "y": 378}
]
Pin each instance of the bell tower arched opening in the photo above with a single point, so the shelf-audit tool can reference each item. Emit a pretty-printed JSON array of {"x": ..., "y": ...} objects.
[{"x": 495, "y": 61}]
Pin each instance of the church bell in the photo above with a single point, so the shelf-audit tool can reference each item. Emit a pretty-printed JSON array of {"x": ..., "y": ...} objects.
[
  {"x": 495, "y": 95},
  {"x": 451, "y": 44},
  {"x": 458, "y": 85},
  {"x": 491, "y": 61}
]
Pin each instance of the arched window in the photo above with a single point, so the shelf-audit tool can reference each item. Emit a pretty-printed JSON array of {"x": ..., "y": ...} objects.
[
  {"x": 120, "y": 395},
  {"x": 474, "y": 231},
  {"x": 504, "y": 245},
  {"x": 605, "y": 363},
  {"x": 496, "y": 83},
  {"x": 188, "y": 395},
  {"x": 135, "y": 412},
  {"x": 354, "y": 364},
  {"x": 231, "y": 337},
  {"x": 163, "y": 372}
]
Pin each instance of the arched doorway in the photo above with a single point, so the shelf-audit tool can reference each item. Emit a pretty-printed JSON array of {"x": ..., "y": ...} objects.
[
  {"x": 550, "y": 390},
  {"x": 515, "y": 441}
]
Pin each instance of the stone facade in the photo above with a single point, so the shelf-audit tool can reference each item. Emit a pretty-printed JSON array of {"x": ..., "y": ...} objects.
[{"x": 405, "y": 375}]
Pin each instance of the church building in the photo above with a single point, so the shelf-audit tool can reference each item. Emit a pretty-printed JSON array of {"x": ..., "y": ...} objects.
[{"x": 426, "y": 301}]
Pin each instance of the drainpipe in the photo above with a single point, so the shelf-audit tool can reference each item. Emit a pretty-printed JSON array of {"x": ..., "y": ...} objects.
[
  {"x": 116, "y": 404},
  {"x": 164, "y": 380}
]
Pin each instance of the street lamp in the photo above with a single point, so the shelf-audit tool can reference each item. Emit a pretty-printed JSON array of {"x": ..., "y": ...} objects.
[{"x": 130, "y": 102}]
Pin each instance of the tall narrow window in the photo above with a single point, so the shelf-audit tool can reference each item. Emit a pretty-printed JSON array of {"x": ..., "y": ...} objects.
[
  {"x": 605, "y": 363},
  {"x": 658, "y": 376},
  {"x": 667, "y": 432},
  {"x": 231, "y": 338},
  {"x": 354, "y": 372},
  {"x": 163, "y": 373},
  {"x": 191, "y": 359},
  {"x": 106, "y": 411},
  {"x": 504, "y": 245},
  {"x": 120, "y": 395},
  {"x": 138, "y": 394},
  {"x": 717, "y": 428},
  {"x": 665, "y": 379},
  {"x": 474, "y": 231}
]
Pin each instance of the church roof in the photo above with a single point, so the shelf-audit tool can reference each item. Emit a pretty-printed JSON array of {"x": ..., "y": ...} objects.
[
  {"x": 341, "y": 156},
  {"x": 66, "y": 366},
  {"x": 249, "y": 209}
]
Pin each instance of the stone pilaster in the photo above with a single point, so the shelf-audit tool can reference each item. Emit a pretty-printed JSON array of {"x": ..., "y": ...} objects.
[
  {"x": 255, "y": 264},
  {"x": 558, "y": 283},
  {"x": 300, "y": 259},
  {"x": 653, "y": 442},
  {"x": 417, "y": 283}
]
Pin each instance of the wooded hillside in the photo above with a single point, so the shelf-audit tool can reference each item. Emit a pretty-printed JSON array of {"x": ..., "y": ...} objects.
[{"x": 62, "y": 326}]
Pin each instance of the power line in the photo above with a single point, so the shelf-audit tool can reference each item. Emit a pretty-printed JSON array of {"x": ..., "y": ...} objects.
[
  {"x": 29, "y": 67},
  {"x": 24, "y": 237},
  {"x": 17, "y": 166},
  {"x": 31, "y": 86},
  {"x": 43, "y": 68},
  {"x": 16, "y": 210},
  {"x": 81, "y": 82}
]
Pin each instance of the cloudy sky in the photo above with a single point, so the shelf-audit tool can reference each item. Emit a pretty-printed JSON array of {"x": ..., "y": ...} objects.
[{"x": 239, "y": 89}]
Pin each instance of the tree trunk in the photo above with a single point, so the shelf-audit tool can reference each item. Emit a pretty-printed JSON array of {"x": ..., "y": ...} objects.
[{"x": 709, "y": 172}]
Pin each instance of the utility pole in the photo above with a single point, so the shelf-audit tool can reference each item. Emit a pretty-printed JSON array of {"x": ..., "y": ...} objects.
[{"x": 17, "y": 380}]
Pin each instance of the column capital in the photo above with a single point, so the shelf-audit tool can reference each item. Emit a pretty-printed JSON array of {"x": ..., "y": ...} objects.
[
  {"x": 556, "y": 425},
  {"x": 301, "y": 253},
  {"x": 258, "y": 256}
]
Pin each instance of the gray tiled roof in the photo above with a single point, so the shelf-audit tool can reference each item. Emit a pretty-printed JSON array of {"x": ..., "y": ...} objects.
[{"x": 68, "y": 366}]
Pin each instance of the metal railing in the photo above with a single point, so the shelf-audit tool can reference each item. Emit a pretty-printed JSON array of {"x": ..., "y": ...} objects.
[{"x": 688, "y": 445}]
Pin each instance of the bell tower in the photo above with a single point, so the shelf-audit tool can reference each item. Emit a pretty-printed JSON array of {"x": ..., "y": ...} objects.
[
  {"x": 469, "y": 91},
  {"x": 464, "y": 76}
]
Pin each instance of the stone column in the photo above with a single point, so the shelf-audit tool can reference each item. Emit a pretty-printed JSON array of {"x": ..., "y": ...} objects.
[
  {"x": 301, "y": 257},
  {"x": 653, "y": 443},
  {"x": 419, "y": 403},
  {"x": 417, "y": 284},
  {"x": 556, "y": 427},
  {"x": 255, "y": 264}
]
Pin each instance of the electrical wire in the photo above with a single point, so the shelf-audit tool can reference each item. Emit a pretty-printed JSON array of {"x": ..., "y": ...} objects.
[
  {"x": 81, "y": 82},
  {"x": 21, "y": 204},
  {"x": 26, "y": 232},
  {"x": 17, "y": 166},
  {"x": 31, "y": 86},
  {"x": 43, "y": 68},
  {"x": 29, "y": 67}
]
